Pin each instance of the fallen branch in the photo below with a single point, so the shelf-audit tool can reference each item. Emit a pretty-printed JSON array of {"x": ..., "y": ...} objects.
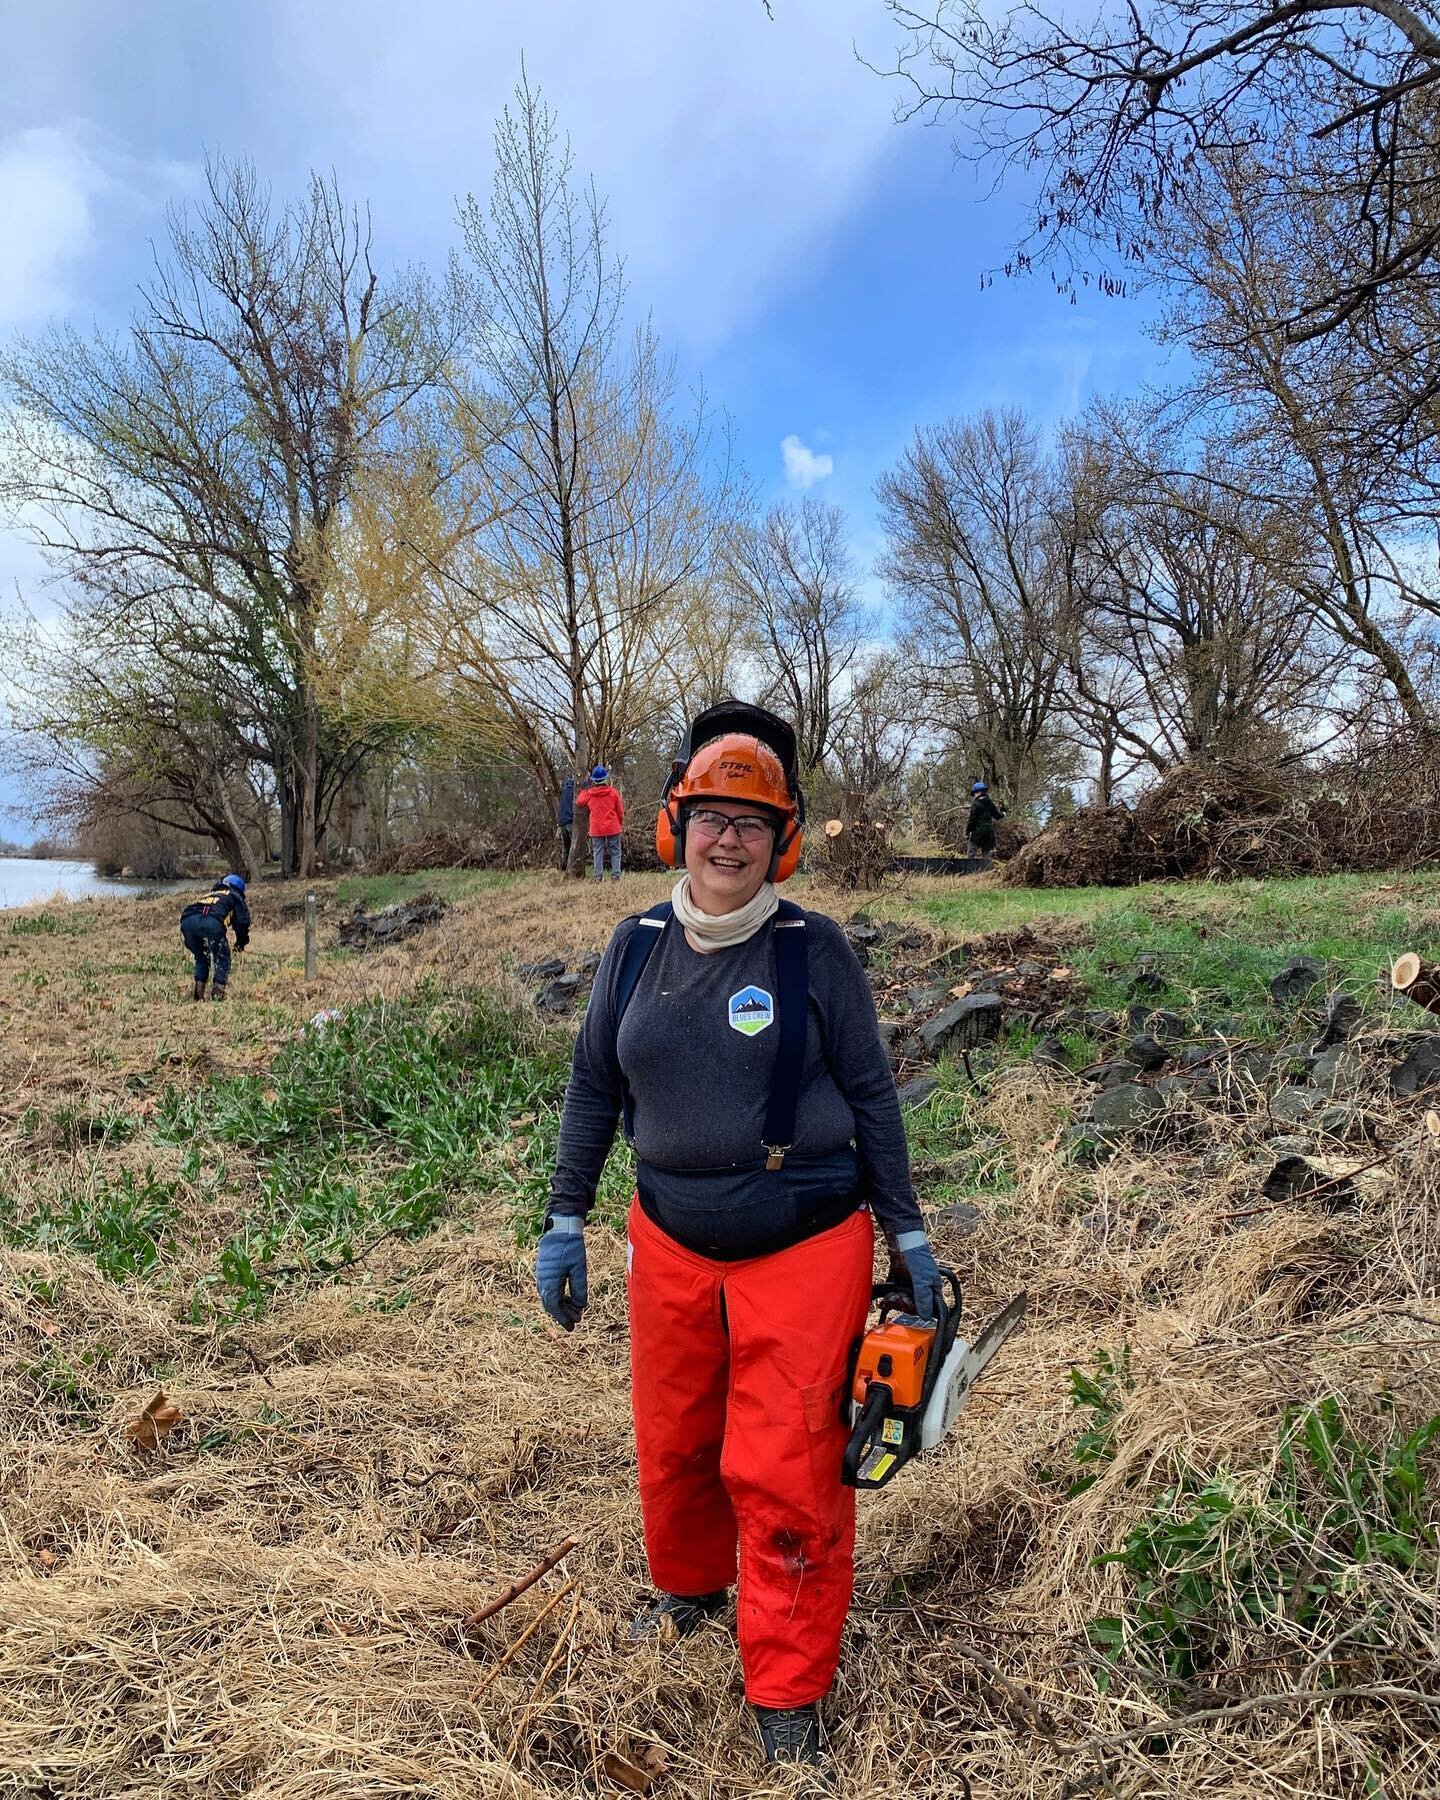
[
  {"x": 517, "y": 1588},
  {"x": 560, "y": 1644},
  {"x": 1187, "y": 1722},
  {"x": 513, "y": 1649}
]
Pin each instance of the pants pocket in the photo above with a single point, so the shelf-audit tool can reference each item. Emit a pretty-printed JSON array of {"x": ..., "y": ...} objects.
[{"x": 829, "y": 1432}]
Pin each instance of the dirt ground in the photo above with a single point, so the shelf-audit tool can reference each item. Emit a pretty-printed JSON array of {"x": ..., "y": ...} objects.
[{"x": 274, "y": 1601}]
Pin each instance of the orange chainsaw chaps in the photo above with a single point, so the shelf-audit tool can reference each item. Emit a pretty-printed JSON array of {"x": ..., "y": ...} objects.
[{"x": 740, "y": 1372}]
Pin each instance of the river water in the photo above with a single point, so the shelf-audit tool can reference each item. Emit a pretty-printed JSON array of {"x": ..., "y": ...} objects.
[{"x": 24, "y": 880}]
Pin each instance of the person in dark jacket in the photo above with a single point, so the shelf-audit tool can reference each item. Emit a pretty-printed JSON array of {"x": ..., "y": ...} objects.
[
  {"x": 565, "y": 818},
  {"x": 749, "y": 1266},
  {"x": 203, "y": 928},
  {"x": 985, "y": 814}
]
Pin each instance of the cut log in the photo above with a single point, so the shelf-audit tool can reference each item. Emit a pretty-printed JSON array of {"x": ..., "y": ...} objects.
[
  {"x": 833, "y": 827},
  {"x": 1416, "y": 980}
]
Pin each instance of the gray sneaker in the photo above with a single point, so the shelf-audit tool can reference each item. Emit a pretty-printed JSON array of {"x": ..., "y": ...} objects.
[
  {"x": 670, "y": 1616},
  {"x": 790, "y": 1734}
]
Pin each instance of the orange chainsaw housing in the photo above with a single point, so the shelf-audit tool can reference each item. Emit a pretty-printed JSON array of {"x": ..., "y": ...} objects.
[{"x": 896, "y": 1354}]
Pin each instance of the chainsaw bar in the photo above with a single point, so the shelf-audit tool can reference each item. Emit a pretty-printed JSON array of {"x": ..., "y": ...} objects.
[{"x": 964, "y": 1367}]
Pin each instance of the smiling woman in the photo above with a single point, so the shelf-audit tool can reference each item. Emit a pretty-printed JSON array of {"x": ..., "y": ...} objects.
[{"x": 743, "y": 1051}]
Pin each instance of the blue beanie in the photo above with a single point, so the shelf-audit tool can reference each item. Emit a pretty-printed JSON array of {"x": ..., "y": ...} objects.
[
  {"x": 235, "y": 881},
  {"x": 979, "y": 787},
  {"x": 599, "y": 773}
]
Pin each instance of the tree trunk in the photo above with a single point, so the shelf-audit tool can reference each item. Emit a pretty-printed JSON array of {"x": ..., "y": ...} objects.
[{"x": 309, "y": 789}]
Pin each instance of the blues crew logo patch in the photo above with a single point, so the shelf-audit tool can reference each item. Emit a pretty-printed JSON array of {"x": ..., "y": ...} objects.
[{"x": 751, "y": 1010}]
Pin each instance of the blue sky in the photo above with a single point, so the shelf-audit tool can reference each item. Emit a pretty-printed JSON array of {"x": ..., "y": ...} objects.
[{"x": 815, "y": 264}]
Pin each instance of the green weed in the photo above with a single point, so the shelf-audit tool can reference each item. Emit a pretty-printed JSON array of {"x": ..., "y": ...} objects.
[
  {"x": 1211, "y": 1560},
  {"x": 124, "y": 1224},
  {"x": 373, "y": 1124}
]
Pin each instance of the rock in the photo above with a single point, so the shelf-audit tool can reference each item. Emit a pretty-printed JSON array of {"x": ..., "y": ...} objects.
[
  {"x": 926, "y": 999},
  {"x": 1145, "y": 1052},
  {"x": 1296, "y": 1059},
  {"x": 1167, "y": 1026},
  {"x": 1245, "y": 1070},
  {"x": 1146, "y": 978},
  {"x": 1110, "y": 1074},
  {"x": 916, "y": 1092},
  {"x": 541, "y": 971},
  {"x": 1219, "y": 1158},
  {"x": 961, "y": 1219},
  {"x": 1419, "y": 1071},
  {"x": 1342, "y": 1015},
  {"x": 995, "y": 982},
  {"x": 587, "y": 964},
  {"x": 861, "y": 931},
  {"x": 889, "y": 1030},
  {"x": 1295, "y": 979},
  {"x": 911, "y": 1048},
  {"x": 1290, "y": 1177},
  {"x": 1123, "y": 1109},
  {"x": 1287, "y": 1144},
  {"x": 1344, "y": 1122},
  {"x": 1098, "y": 1223},
  {"x": 1096, "y": 1019},
  {"x": 1339, "y": 1071},
  {"x": 1032, "y": 971},
  {"x": 1050, "y": 1053},
  {"x": 1295, "y": 1105},
  {"x": 555, "y": 996},
  {"x": 1189, "y": 1087},
  {"x": 1199, "y": 1056},
  {"x": 369, "y": 931},
  {"x": 1293, "y": 1177},
  {"x": 964, "y": 1023}
]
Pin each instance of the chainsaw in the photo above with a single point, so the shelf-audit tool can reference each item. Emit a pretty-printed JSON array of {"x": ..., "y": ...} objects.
[{"x": 911, "y": 1377}]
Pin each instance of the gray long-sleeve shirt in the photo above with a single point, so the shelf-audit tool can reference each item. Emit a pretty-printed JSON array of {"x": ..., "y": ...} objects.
[{"x": 700, "y": 1084}]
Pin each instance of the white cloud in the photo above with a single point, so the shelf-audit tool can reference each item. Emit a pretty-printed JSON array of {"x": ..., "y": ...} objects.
[
  {"x": 58, "y": 184},
  {"x": 803, "y": 466},
  {"x": 730, "y": 148}
]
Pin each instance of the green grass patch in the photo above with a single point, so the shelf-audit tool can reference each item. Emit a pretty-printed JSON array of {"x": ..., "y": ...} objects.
[
  {"x": 124, "y": 1224},
  {"x": 375, "y": 1124},
  {"x": 380, "y": 891}
]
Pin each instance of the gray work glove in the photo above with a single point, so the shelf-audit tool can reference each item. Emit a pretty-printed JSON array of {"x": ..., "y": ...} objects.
[
  {"x": 913, "y": 1265},
  {"x": 560, "y": 1273}
]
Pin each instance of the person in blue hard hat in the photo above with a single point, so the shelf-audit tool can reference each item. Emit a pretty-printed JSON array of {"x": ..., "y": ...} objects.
[
  {"x": 203, "y": 927},
  {"x": 985, "y": 814}
]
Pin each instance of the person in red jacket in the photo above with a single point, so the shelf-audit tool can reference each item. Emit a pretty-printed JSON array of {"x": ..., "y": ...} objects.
[{"x": 607, "y": 819}]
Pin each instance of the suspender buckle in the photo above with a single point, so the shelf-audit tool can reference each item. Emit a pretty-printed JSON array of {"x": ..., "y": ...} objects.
[{"x": 774, "y": 1155}]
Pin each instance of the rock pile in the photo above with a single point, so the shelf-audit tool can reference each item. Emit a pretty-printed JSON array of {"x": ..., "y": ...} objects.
[{"x": 362, "y": 930}]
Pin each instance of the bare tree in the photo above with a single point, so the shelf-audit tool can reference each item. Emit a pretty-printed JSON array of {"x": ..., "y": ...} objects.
[
  {"x": 795, "y": 577},
  {"x": 977, "y": 562},
  {"x": 1121, "y": 114},
  {"x": 572, "y": 519},
  {"x": 193, "y": 472}
]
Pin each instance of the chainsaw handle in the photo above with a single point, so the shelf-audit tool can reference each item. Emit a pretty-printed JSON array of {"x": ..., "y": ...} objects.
[{"x": 877, "y": 1403}]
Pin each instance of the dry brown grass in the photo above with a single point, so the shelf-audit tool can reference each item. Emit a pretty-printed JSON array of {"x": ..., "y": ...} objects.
[{"x": 273, "y": 1603}]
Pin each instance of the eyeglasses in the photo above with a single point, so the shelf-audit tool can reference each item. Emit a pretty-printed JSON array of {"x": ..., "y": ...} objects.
[{"x": 748, "y": 827}]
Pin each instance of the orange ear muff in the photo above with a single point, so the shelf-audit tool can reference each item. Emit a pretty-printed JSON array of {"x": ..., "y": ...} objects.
[
  {"x": 667, "y": 837},
  {"x": 787, "y": 855}
]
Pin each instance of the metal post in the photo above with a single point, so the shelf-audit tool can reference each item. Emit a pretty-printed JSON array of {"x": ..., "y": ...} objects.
[{"x": 310, "y": 935}]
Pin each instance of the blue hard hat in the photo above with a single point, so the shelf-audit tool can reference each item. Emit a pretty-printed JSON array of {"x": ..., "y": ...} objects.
[
  {"x": 599, "y": 773},
  {"x": 235, "y": 881},
  {"x": 979, "y": 787}
]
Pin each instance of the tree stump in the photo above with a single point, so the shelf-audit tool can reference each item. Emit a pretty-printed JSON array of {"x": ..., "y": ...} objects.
[{"x": 1416, "y": 980}]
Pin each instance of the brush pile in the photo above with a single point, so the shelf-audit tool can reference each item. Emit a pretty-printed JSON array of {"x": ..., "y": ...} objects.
[{"x": 1379, "y": 809}]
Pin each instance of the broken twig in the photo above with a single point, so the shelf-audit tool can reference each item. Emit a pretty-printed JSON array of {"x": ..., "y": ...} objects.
[{"x": 517, "y": 1588}]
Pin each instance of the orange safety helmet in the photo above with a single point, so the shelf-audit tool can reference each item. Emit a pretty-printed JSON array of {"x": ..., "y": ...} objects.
[{"x": 735, "y": 765}]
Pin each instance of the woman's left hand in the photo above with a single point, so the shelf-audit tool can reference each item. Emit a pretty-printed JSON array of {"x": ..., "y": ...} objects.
[{"x": 922, "y": 1272}]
